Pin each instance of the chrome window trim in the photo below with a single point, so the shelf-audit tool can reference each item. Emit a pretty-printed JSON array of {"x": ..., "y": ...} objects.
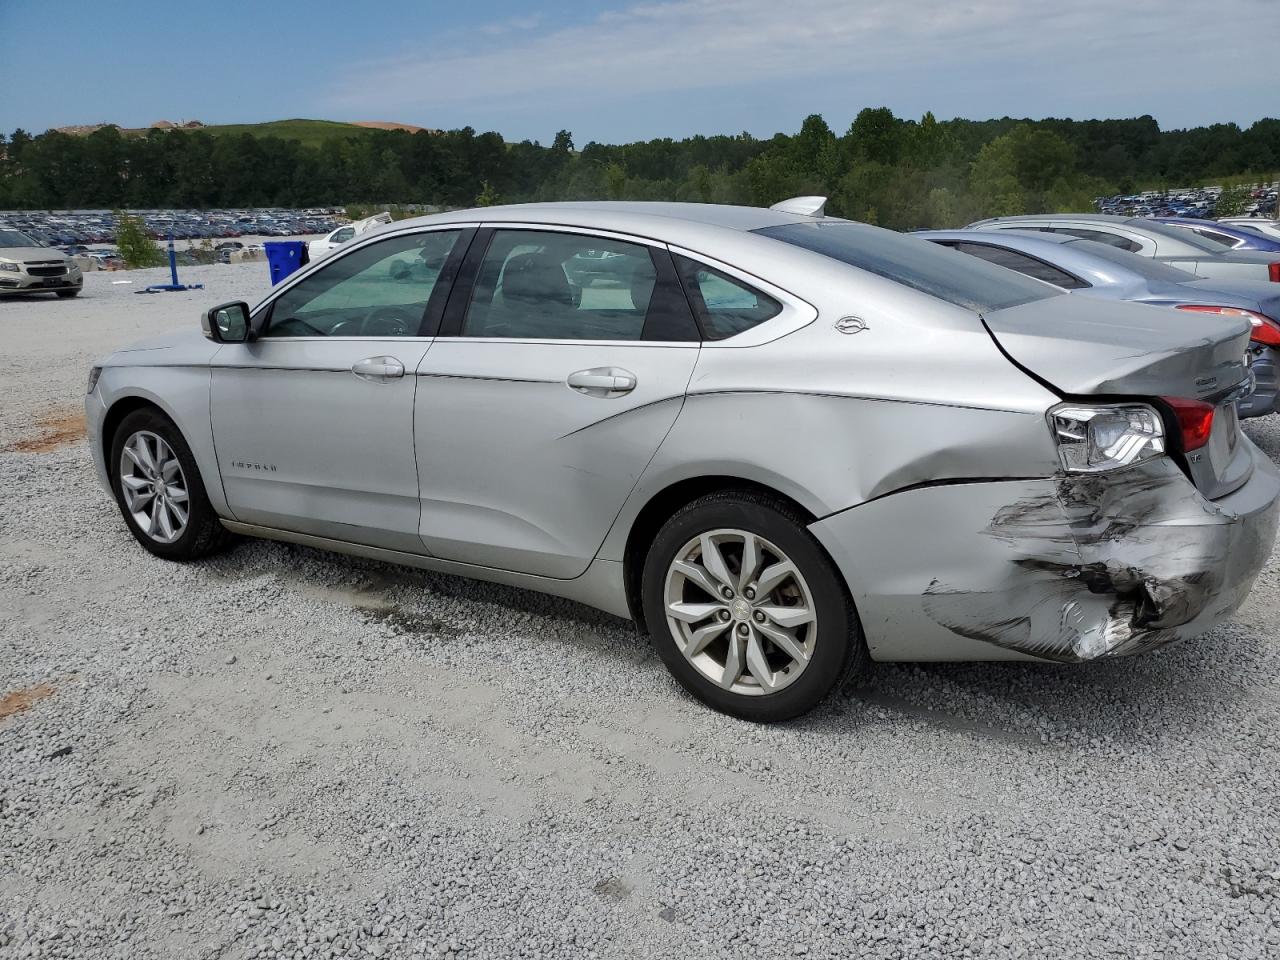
[
  {"x": 796, "y": 313},
  {"x": 348, "y": 248}
]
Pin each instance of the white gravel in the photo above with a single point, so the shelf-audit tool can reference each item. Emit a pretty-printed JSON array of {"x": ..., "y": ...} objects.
[{"x": 284, "y": 753}]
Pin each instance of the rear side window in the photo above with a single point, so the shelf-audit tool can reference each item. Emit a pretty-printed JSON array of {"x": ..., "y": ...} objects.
[
  {"x": 726, "y": 306},
  {"x": 1216, "y": 237},
  {"x": 1025, "y": 265},
  {"x": 916, "y": 263},
  {"x": 1099, "y": 236}
]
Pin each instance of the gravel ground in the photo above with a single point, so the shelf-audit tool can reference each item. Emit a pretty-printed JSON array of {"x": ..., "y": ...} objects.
[{"x": 282, "y": 752}]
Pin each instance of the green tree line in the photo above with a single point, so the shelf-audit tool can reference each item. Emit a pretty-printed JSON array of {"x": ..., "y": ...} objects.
[{"x": 884, "y": 169}]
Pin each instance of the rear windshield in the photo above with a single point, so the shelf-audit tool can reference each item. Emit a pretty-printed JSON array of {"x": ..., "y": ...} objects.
[
  {"x": 965, "y": 281},
  {"x": 1134, "y": 262}
]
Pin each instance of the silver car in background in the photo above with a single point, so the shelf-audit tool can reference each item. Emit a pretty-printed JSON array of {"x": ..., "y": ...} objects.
[
  {"x": 1092, "y": 269},
  {"x": 29, "y": 266},
  {"x": 1176, "y": 247},
  {"x": 785, "y": 444}
]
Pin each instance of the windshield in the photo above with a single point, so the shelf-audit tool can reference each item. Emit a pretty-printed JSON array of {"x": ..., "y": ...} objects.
[
  {"x": 16, "y": 238},
  {"x": 1133, "y": 262},
  {"x": 965, "y": 281}
]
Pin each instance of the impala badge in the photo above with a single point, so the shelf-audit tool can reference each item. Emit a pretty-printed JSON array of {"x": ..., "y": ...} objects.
[{"x": 850, "y": 325}]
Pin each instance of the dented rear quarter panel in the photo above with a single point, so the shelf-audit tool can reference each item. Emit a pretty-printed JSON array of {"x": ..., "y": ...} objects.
[{"x": 1064, "y": 569}]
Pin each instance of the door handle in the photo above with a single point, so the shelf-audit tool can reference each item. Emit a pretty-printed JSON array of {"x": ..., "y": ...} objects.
[
  {"x": 602, "y": 381},
  {"x": 378, "y": 369}
]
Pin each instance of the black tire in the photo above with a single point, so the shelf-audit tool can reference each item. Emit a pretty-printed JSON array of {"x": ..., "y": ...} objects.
[
  {"x": 204, "y": 533},
  {"x": 67, "y": 294},
  {"x": 839, "y": 650}
]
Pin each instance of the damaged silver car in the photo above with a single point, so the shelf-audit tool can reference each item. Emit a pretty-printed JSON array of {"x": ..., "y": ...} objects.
[{"x": 785, "y": 444}]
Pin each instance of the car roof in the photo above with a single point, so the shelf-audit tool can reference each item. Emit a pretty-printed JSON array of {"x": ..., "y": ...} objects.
[
  {"x": 1060, "y": 250},
  {"x": 666, "y": 221}
]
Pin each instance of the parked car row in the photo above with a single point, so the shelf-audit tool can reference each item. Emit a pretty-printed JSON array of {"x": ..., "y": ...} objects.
[
  {"x": 99, "y": 226},
  {"x": 1199, "y": 202},
  {"x": 785, "y": 444}
]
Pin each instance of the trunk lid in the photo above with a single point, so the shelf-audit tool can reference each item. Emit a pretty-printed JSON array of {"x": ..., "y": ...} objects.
[{"x": 1086, "y": 347}]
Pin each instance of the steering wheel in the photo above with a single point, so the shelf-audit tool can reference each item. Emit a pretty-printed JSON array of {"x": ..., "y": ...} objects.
[{"x": 393, "y": 321}]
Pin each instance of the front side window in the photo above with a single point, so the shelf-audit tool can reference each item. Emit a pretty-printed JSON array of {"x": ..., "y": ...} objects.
[
  {"x": 343, "y": 235},
  {"x": 380, "y": 290},
  {"x": 540, "y": 285},
  {"x": 725, "y": 305}
]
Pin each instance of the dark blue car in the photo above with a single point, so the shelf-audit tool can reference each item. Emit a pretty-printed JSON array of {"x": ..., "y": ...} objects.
[{"x": 1229, "y": 236}]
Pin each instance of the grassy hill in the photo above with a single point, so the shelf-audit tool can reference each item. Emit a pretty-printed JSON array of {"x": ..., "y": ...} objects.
[{"x": 310, "y": 132}]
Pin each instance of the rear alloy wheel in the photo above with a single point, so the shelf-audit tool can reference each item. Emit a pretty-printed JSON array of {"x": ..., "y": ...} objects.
[
  {"x": 746, "y": 609},
  {"x": 159, "y": 490}
]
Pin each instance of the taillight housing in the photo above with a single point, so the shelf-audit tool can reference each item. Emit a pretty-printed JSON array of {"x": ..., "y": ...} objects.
[
  {"x": 1273, "y": 271},
  {"x": 1097, "y": 438},
  {"x": 1265, "y": 330},
  {"x": 1195, "y": 420}
]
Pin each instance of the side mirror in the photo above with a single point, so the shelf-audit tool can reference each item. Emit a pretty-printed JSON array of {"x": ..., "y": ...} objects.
[{"x": 228, "y": 323}]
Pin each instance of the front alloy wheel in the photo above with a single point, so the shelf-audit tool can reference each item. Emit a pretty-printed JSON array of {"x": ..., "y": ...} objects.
[
  {"x": 158, "y": 487},
  {"x": 740, "y": 611},
  {"x": 154, "y": 487}
]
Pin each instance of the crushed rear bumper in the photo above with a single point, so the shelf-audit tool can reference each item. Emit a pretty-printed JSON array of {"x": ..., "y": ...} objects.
[{"x": 1066, "y": 569}]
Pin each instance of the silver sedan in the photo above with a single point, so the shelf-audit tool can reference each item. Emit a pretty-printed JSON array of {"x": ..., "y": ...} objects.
[{"x": 784, "y": 444}]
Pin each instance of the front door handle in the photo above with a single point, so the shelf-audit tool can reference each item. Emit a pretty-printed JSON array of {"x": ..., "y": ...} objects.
[
  {"x": 603, "y": 381},
  {"x": 378, "y": 369}
]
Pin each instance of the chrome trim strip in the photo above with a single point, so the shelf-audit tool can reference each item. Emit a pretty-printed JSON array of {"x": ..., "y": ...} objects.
[
  {"x": 855, "y": 396},
  {"x": 481, "y": 376}
]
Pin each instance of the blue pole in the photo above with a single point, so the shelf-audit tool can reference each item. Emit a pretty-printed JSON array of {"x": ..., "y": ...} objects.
[{"x": 173, "y": 261}]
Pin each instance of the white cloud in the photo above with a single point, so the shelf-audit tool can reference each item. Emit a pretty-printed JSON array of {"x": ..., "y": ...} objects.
[{"x": 1085, "y": 47}]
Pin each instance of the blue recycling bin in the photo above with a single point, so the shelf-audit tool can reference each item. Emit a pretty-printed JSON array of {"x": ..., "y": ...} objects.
[{"x": 284, "y": 257}]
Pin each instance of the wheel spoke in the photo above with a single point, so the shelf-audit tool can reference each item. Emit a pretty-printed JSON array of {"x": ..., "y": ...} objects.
[
  {"x": 788, "y": 617},
  {"x": 135, "y": 457},
  {"x": 135, "y": 484},
  {"x": 139, "y": 500},
  {"x": 784, "y": 642},
  {"x": 169, "y": 469},
  {"x": 734, "y": 661},
  {"x": 692, "y": 612},
  {"x": 772, "y": 576},
  {"x": 698, "y": 575},
  {"x": 153, "y": 519},
  {"x": 699, "y": 639},
  {"x": 751, "y": 559},
  {"x": 757, "y": 663},
  {"x": 176, "y": 494},
  {"x": 713, "y": 560},
  {"x": 166, "y": 522},
  {"x": 147, "y": 460},
  {"x": 179, "y": 514}
]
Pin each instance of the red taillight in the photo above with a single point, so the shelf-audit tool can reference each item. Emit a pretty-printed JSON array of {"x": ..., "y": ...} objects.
[
  {"x": 1195, "y": 420},
  {"x": 1273, "y": 271},
  {"x": 1265, "y": 330}
]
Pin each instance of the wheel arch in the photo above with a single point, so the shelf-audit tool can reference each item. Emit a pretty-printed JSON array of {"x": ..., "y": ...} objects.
[
  {"x": 111, "y": 420},
  {"x": 662, "y": 505}
]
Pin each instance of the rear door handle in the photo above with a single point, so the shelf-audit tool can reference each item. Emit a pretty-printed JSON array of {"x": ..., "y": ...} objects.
[
  {"x": 602, "y": 381},
  {"x": 378, "y": 369}
]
